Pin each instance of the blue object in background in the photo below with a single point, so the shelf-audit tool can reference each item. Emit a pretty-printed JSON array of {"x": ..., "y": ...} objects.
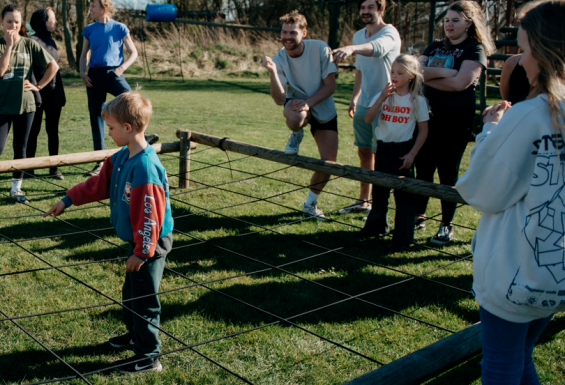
[{"x": 160, "y": 12}]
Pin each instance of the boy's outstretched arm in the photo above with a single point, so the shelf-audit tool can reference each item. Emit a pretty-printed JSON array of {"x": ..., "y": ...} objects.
[
  {"x": 95, "y": 188},
  {"x": 57, "y": 209}
]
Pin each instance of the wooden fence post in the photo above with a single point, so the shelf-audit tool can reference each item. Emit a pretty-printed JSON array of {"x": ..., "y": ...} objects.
[
  {"x": 184, "y": 159},
  {"x": 432, "y": 22}
]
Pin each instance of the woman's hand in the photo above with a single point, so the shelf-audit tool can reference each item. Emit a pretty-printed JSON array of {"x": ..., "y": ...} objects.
[
  {"x": 494, "y": 113},
  {"x": 29, "y": 87},
  {"x": 86, "y": 80},
  {"x": 10, "y": 37},
  {"x": 119, "y": 71}
]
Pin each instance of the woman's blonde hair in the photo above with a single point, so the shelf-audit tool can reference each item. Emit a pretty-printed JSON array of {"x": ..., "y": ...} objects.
[
  {"x": 471, "y": 11},
  {"x": 108, "y": 6},
  {"x": 412, "y": 66},
  {"x": 546, "y": 36}
]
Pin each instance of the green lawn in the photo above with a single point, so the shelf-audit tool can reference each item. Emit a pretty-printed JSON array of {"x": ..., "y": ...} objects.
[{"x": 250, "y": 224}]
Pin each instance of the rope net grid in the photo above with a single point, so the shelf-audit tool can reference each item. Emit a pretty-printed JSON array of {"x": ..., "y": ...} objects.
[{"x": 252, "y": 288}]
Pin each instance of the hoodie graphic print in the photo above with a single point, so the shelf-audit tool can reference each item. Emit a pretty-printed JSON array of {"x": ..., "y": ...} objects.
[{"x": 544, "y": 228}]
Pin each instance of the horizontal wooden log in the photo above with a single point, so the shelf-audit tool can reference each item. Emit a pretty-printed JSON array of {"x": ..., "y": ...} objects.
[
  {"x": 77, "y": 158},
  {"x": 413, "y": 186},
  {"x": 494, "y": 71},
  {"x": 506, "y": 43},
  {"x": 226, "y": 25},
  {"x": 499, "y": 56},
  {"x": 493, "y": 89},
  {"x": 427, "y": 362}
]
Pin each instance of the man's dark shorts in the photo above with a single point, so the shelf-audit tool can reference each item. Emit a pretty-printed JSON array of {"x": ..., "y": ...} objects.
[{"x": 330, "y": 125}]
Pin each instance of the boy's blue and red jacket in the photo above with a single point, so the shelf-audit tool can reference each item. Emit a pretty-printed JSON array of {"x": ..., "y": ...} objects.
[{"x": 138, "y": 189}]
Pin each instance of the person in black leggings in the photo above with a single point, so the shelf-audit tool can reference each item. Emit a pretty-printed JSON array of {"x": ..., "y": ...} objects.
[
  {"x": 17, "y": 104},
  {"x": 452, "y": 102},
  {"x": 52, "y": 96}
]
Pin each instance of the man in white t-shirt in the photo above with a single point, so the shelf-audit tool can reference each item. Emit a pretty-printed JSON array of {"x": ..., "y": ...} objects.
[
  {"x": 303, "y": 81},
  {"x": 375, "y": 46}
]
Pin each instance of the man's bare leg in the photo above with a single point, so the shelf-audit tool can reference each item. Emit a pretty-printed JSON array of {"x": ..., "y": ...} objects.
[{"x": 327, "y": 142}]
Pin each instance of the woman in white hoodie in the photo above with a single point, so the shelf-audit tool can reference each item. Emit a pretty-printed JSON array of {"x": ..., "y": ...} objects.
[{"x": 516, "y": 179}]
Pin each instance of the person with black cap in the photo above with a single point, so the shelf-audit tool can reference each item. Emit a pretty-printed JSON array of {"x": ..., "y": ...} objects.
[{"x": 52, "y": 99}]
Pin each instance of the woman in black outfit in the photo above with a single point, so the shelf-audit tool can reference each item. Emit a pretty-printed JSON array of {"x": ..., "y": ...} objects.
[
  {"x": 52, "y": 96},
  {"x": 514, "y": 85},
  {"x": 452, "y": 102}
]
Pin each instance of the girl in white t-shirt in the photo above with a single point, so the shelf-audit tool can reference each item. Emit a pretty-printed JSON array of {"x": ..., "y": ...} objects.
[{"x": 397, "y": 147}]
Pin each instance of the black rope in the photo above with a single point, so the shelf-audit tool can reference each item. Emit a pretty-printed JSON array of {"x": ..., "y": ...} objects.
[
  {"x": 269, "y": 267},
  {"x": 221, "y": 147}
]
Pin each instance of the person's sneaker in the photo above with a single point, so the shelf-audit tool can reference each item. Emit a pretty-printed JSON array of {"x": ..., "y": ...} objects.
[
  {"x": 29, "y": 174},
  {"x": 96, "y": 170},
  {"x": 55, "y": 173},
  {"x": 146, "y": 365},
  {"x": 313, "y": 211},
  {"x": 420, "y": 224},
  {"x": 18, "y": 196},
  {"x": 355, "y": 208},
  {"x": 293, "y": 144},
  {"x": 443, "y": 236},
  {"x": 125, "y": 341},
  {"x": 151, "y": 139}
]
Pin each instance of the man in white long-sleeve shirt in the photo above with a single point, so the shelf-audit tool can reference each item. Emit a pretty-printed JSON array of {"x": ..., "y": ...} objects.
[{"x": 375, "y": 46}]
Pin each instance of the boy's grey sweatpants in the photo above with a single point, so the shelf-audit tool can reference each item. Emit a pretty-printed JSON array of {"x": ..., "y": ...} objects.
[{"x": 144, "y": 283}]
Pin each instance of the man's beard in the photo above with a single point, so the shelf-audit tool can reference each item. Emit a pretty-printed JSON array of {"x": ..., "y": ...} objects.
[
  {"x": 292, "y": 41},
  {"x": 370, "y": 21}
]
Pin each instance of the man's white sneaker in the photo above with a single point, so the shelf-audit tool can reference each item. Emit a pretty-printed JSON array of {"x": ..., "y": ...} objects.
[
  {"x": 313, "y": 211},
  {"x": 18, "y": 196},
  {"x": 293, "y": 144}
]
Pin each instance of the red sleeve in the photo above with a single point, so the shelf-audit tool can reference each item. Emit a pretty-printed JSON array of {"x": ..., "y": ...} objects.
[
  {"x": 95, "y": 188},
  {"x": 147, "y": 212}
]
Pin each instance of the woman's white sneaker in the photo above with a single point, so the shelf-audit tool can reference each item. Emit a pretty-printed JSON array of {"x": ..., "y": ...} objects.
[{"x": 18, "y": 196}]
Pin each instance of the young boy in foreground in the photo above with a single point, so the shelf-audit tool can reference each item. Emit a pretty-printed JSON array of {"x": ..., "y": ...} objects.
[{"x": 136, "y": 183}]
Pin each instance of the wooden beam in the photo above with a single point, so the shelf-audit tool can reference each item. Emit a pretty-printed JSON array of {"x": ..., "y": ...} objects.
[
  {"x": 413, "y": 186},
  {"x": 427, "y": 362},
  {"x": 77, "y": 158}
]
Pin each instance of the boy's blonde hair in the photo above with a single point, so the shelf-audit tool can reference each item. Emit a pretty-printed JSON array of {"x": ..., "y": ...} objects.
[
  {"x": 129, "y": 107},
  {"x": 412, "y": 66}
]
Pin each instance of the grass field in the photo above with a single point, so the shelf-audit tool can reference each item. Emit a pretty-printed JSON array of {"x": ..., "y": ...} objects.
[{"x": 236, "y": 245}]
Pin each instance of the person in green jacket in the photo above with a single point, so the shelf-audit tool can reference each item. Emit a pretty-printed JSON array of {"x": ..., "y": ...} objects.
[{"x": 18, "y": 55}]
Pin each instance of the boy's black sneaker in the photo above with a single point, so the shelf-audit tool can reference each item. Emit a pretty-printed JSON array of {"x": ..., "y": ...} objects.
[
  {"x": 125, "y": 341},
  {"x": 143, "y": 366}
]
